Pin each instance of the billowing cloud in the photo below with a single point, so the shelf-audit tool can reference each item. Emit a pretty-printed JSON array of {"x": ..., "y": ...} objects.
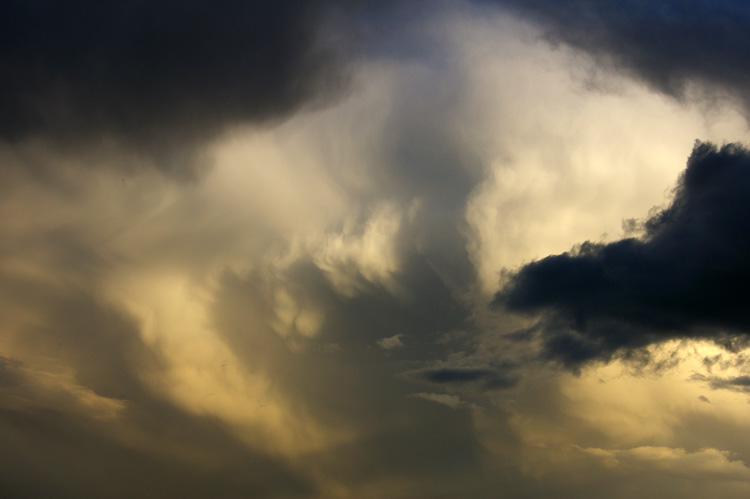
[
  {"x": 161, "y": 77},
  {"x": 307, "y": 315},
  {"x": 671, "y": 45},
  {"x": 81, "y": 391},
  {"x": 683, "y": 278},
  {"x": 735, "y": 383}
]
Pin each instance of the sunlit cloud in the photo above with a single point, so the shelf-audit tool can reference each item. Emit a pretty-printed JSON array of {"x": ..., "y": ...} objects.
[{"x": 252, "y": 250}]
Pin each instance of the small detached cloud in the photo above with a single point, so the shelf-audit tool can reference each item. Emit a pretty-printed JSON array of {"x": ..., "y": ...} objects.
[
  {"x": 686, "y": 277},
  {"x": 390, "y": 343},
  {"x": 484, "y": 378}
]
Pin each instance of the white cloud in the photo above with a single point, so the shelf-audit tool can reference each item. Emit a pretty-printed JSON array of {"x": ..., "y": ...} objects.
[{"x": 391, "y": 342}]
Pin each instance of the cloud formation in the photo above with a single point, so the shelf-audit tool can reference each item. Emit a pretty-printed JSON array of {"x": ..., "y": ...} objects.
[
  {"x": 668, "y": 44},
  {"x": 308, "y": 317},
  {"x": 391, "y": 342},
  {"x": 160, "y": 76},
  {"x": 735, "y": 383},
  {"x": 484, "y": 378},
  {"x": 685, "y": 277}
]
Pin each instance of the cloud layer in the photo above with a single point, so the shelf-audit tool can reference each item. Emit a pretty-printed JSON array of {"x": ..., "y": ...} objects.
[{"x": 247, "y": 250}]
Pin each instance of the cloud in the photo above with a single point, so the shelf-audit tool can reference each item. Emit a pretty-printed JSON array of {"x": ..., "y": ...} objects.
[
  {"x": 222, "y": 337},
  {"x": 733, "y": 383},
  {"x": 81, "y": 391},
  {"x": 451, "y": 401},
  {"x": 217, "y": 302},
  {"x": 27, "y": 390},
  {"x": 708, "y": 463},
  {"x": 669, "y": 44},
  {"x": 684, "y": 278},
  {"x": 390, "y": 343},
  {"x": 487, "y": 379},
  {"x": 161, "y": 77}
]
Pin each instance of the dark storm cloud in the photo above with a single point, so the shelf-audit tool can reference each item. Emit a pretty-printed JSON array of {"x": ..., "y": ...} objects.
[
  {"x": 488, "y": 379},
  {"x": 686, "y": 277},
  {"x": 455, "y": 375},
  {"x": 666, "y": 43},
  {"x": 158, "y": 74}
]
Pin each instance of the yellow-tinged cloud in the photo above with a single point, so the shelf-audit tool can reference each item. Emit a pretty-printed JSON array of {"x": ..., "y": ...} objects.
[
  {"x": 567, "y": 158},
  {"x": 24, "y": 388},
  {"x": 346, "y": 258},
  {"x": 202, "y": 375},
  {"x": 307, "y": 219}
]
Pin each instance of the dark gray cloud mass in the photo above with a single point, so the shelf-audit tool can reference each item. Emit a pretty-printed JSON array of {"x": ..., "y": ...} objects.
[
  {"x": 667, "y": 43},
  {"x": 157, "y": 75},
  {"x": 485, "y": 378},
  {"x": 686, "y": 277}
]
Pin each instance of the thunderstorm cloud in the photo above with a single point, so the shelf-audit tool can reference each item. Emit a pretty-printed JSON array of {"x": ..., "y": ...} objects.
[{"x": 305, "y": 249}]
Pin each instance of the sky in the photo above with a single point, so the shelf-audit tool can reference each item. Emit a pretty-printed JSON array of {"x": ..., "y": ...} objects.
[{"x": 359, "y": 249}]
